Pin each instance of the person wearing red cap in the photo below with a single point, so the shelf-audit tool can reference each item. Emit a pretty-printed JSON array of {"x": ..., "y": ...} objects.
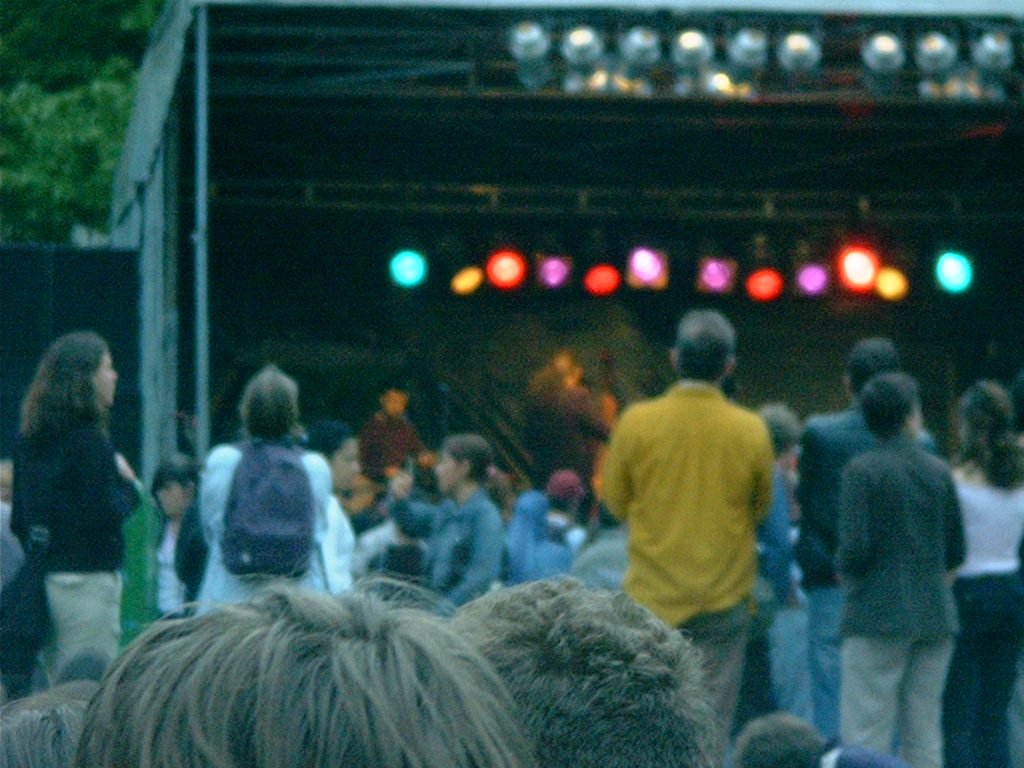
[{"x": 542, "y": 536}]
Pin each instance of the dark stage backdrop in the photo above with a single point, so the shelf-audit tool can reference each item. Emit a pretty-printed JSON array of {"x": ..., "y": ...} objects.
[
  {"x": 310, "y": 292},
  {"x": 49, "y": 290}
]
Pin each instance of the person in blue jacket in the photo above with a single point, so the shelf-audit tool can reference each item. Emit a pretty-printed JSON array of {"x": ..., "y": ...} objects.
[
  {"x": 464, "y": 533},
  {"x": 542, "y": 538}
]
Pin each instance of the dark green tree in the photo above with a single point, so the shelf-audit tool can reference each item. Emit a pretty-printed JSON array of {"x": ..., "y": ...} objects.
[{"x": 67, "y": 74}]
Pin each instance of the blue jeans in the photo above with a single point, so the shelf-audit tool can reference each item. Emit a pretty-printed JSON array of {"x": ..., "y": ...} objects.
[
  {"x": 983, "y": 671},
  {"x": 824, "y": 613},
  {"x": 791, "y": 680}
]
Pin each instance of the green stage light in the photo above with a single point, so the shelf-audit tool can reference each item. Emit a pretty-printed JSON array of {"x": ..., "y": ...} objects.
[
  {"x": 954, "y": 272},
  {"x": 408, "y": 268}
]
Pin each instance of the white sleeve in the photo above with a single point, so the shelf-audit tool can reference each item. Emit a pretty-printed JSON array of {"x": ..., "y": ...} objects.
[
  {"x": 338, "y": 543},
  {"x": 370, "y": 545}
]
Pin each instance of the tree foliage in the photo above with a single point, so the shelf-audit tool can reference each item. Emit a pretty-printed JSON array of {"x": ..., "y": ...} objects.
[{"x": 67, "y": 74}]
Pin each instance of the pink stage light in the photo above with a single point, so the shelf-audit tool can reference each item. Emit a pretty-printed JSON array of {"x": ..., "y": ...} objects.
[
  {"x": 647, "y": 268},
  {"x": 812, "y": 279},
  {"x": 553, "y": 271},
  {"x": 716, "y": 275}
]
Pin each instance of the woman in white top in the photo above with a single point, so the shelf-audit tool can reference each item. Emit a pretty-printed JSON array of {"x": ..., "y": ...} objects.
[
  {"x": 174, "y": 490},
  {"x": 988, "y": 588}
]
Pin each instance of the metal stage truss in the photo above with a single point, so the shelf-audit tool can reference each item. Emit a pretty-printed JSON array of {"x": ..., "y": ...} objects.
[{"x": 263, "y": 112}]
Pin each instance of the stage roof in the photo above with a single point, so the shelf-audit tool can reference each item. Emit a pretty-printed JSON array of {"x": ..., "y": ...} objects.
[{"x": 415, "y": 105}]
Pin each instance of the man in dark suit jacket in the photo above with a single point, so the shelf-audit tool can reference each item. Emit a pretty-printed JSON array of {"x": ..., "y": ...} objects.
[
  {"x": 900, "y": 539},
  {"x": 829, "y": 442}
]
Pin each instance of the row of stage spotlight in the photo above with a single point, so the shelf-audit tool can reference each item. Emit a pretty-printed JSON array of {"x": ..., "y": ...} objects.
[
  {"x": 699, "y": 62},
  {"x": 857, "y": 270}
]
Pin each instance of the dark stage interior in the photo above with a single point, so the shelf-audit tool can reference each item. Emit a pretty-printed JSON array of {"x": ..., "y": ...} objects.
[{"x": 321, "y": 165}]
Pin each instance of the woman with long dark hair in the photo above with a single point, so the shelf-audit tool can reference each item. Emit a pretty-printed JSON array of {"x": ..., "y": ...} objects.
[
  {"x": 68, "y": 478},
  {"x": 174, "y": 490},
  {"x": 988, "y": 588}
]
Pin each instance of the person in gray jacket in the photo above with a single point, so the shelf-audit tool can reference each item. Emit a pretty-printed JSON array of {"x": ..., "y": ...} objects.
[{"x": 900, "y": 538}]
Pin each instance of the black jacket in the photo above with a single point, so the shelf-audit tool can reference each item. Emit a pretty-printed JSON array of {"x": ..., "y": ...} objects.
[
  {"x": 190, "y": 553},
  {"x": 71, "y": 485},
  {"x": 829, "y": 442}
]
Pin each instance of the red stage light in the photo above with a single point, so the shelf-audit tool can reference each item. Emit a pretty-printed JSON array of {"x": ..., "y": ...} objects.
[
  {"x": 602, "y": 280},
  {"x": 506, "y": 269},
  {"x": 765, "y": 284},
  {"x": 858, "y": 268}
]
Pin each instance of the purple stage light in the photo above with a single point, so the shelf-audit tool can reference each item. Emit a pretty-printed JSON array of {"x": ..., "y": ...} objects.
[
  {"x": 646, "y": 265},
  {"x": 553, "y": 271},
  {"x": 812, "y": 279},
  {"x": 716, "y": 275}
]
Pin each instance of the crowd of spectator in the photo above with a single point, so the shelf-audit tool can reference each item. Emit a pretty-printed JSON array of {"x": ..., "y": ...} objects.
[{"x": 716, "y": 586}]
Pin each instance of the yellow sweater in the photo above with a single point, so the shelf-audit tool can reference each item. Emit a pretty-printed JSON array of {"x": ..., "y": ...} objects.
[{"x": 690, "y": 473}]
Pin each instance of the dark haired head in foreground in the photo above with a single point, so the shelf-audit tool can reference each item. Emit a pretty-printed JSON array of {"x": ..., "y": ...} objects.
[
  {"x": 778, "y": 740},
  {"x": 294, "y": 679},
  {"x": 598, "y": 679},
  {"x": 781, "y": 740}
]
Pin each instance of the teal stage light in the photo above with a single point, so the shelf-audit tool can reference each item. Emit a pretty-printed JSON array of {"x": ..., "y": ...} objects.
[
  {"x": 954, "y": 272},
  {"x": 408, "y": 268}
]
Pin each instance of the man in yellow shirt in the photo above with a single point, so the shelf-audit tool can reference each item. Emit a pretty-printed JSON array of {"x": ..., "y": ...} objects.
[{"x": 690, "y": 473}]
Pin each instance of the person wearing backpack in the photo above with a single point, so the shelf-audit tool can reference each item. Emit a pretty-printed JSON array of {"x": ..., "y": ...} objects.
[{"x": 263, "y": 502}]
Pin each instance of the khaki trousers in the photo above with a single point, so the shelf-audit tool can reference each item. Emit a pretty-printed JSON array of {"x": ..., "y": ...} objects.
[
  {"x": 722, "y": 640},
  {"x": 86, "y": 611},
  {"x": 894, "y": 686}
]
